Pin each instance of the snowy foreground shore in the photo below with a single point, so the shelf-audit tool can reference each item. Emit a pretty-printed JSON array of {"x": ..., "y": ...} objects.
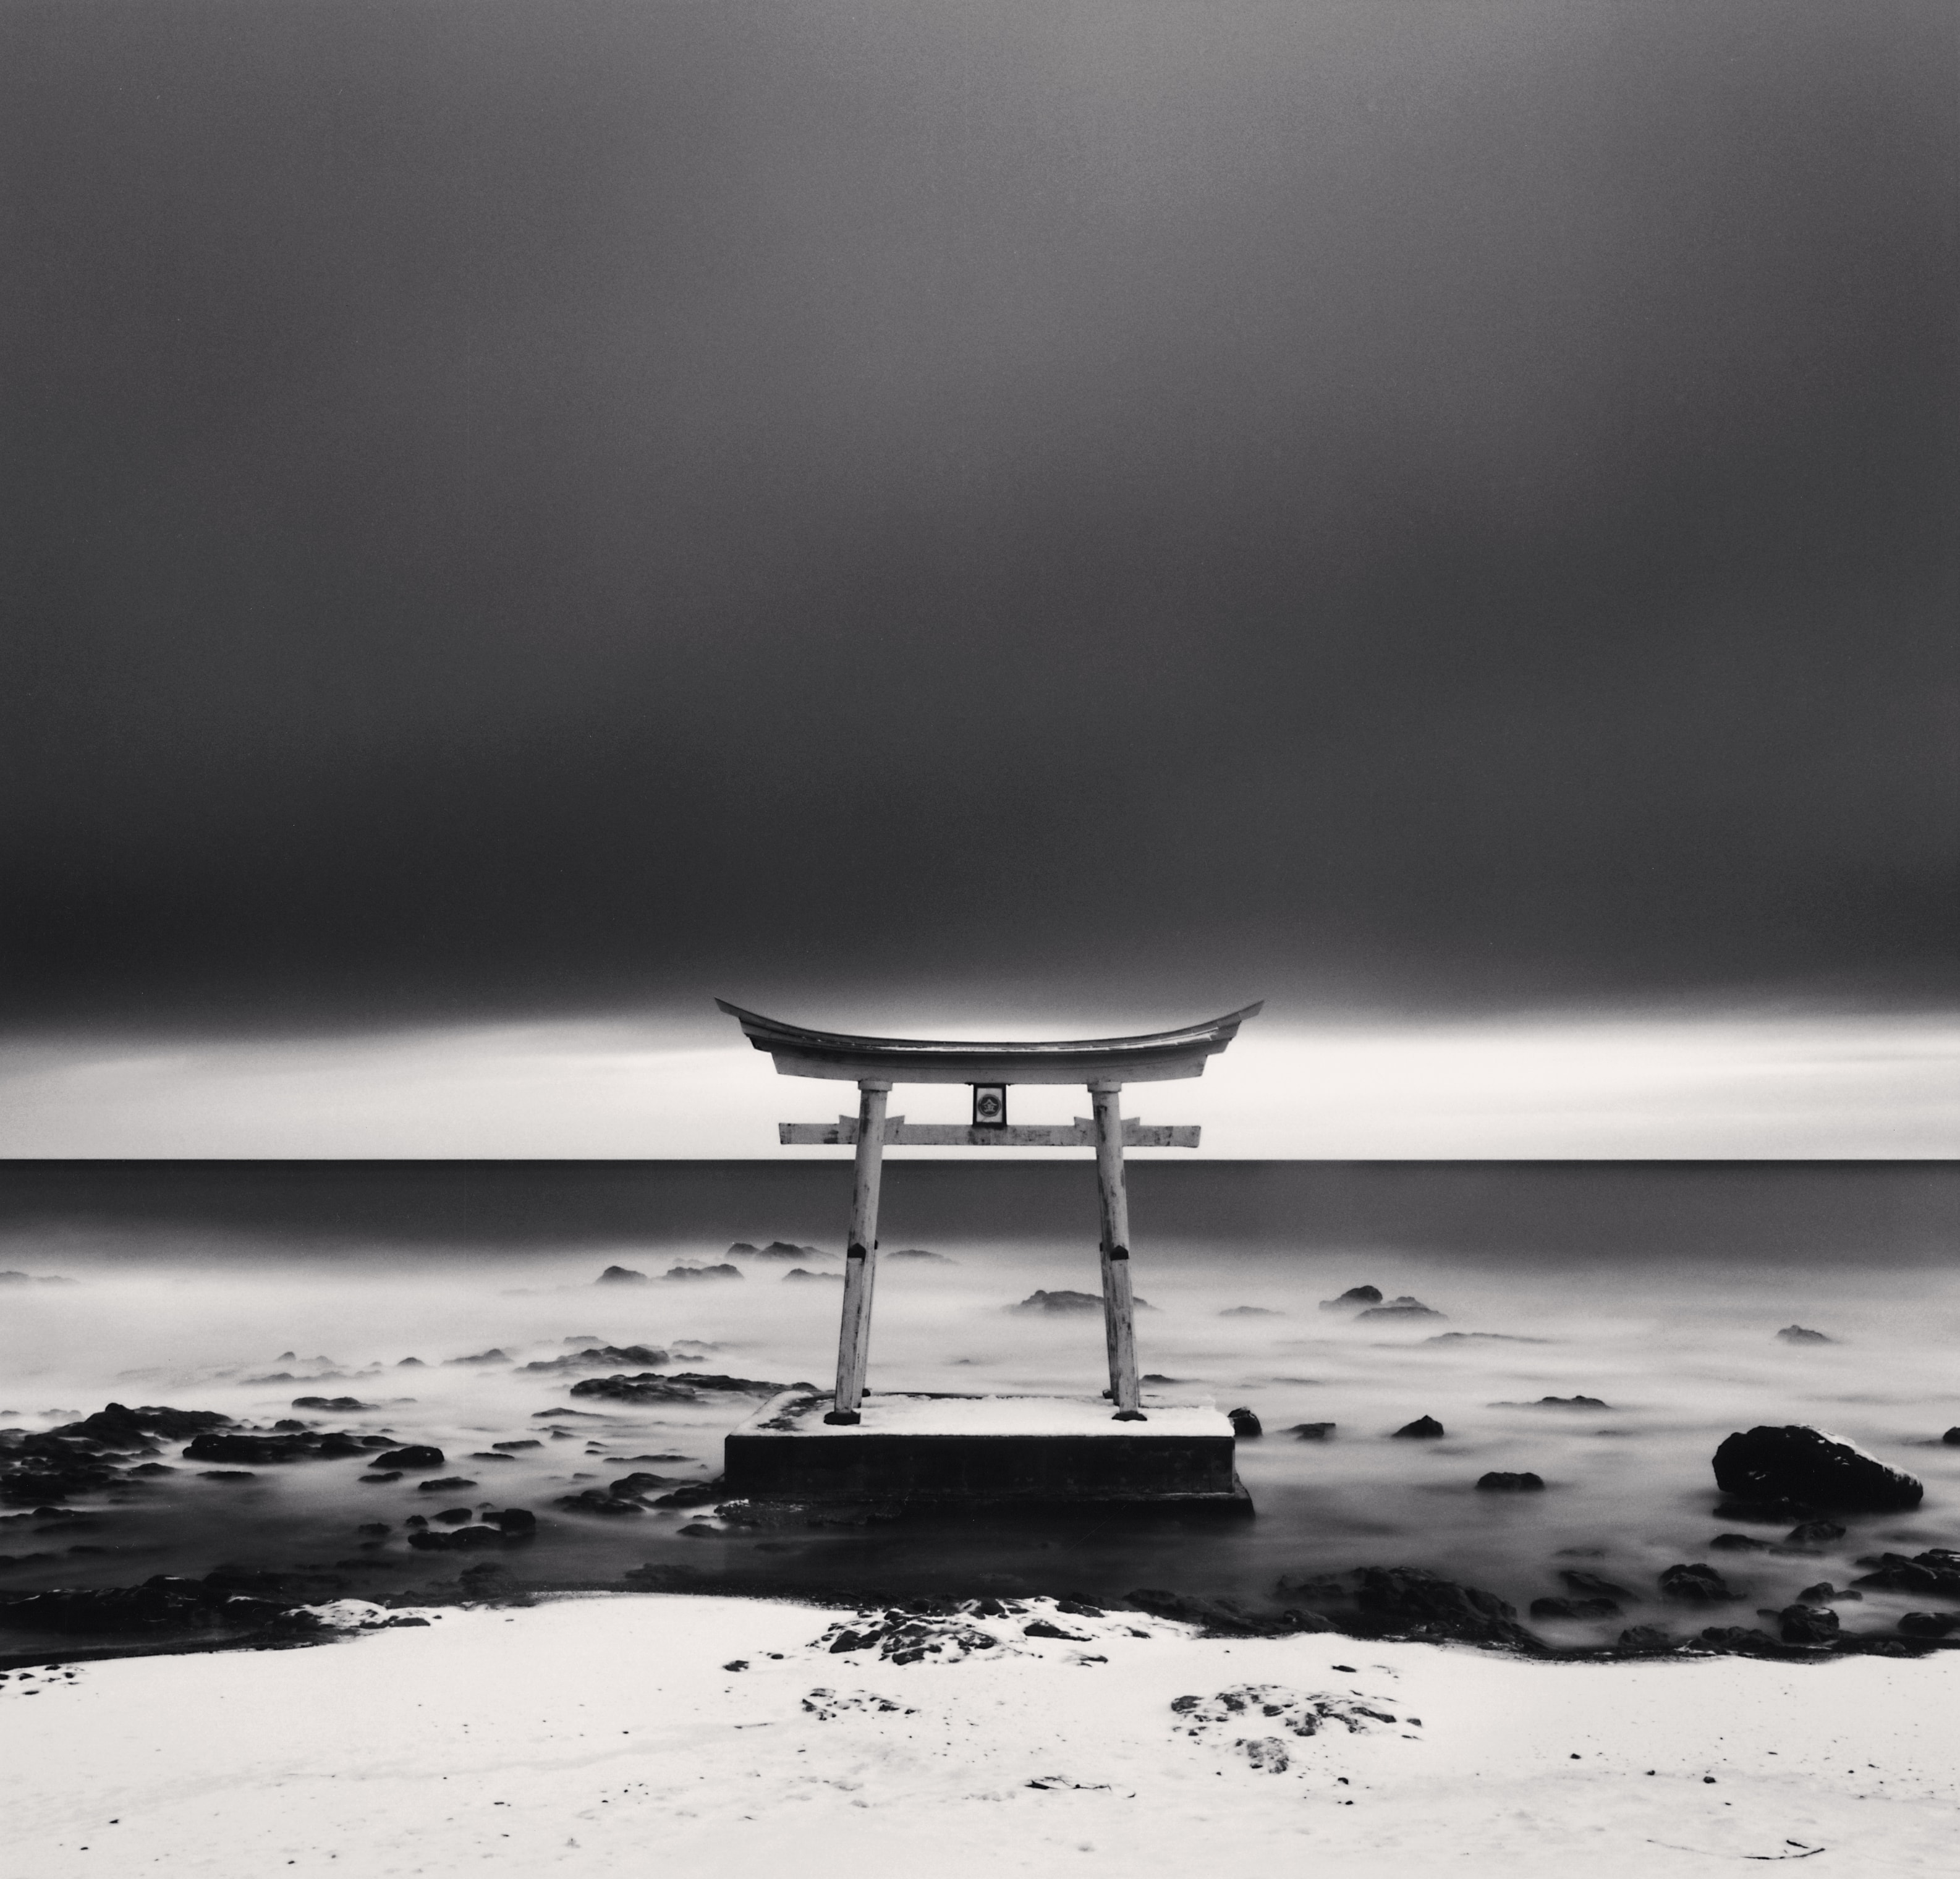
[{"x": 614, "y": 1734}]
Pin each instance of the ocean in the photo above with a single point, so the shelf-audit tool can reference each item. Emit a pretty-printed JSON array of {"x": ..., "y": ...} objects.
[{"x": 1656, "y": 1290}]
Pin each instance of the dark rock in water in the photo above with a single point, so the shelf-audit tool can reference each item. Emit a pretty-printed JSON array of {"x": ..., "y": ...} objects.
[
  {"x": 513, "y": 1520},
  {"x": 1936, "y": 1571},
  {"x": 416, "y": 1520},
  {"x": 164, "y": 1602},
  {"x": 152, "y": 1468},
  {"x": 460, "y": 1539},
  {"x": 619, "y": 1276},
  {"x": 598, "y": 1356},
  {"x": 683, "y": 1386},
  {"x": 1156, "y": 1376},
  {"x": 1497, "y": 1482},
  {"x": 1352, "y": 1300},
  {"x": 699, "y": 1495},
  {"x": 1409, "y": 1602},
  {"x": 527, "y": 1441},
  {"x": 1645, "y": 1638},
  {"x": 1244, "y": 1424},
  {"x": 411, "y": 1363},
  {"x": 373, "y": 1529},
  {"x": 227, "y": 1474},
  {"x": 740, "y": 1248},
  {"x": 1930, "y": 1624},
  {"x": 1402, "y": 1309},
  {"x": 1737, "y": 1543},
  {"x": 1814, "y": 1533},
  {"x": 1249, "y": 1311},
  {"x": 1807, "y": 1624},
  {"x": 1591, "y": 1585},
  {"x": 783, "y": 1249},
  {"x": 1558, "y": 1402},
  {"x": 641, "y": 1483},
  {"x": 702, "y": 1272},
  {"x": 802, "y": 1274},
  {"x": 1951, "y": 1437},
  {"x": 383, "y": 1478},
  {"x": 340, "y": 1405},
  {"x": 450, "y": 1483},
  {"x": 291, "y": 1443},
  {"x": 42, "y": 1467},
  {"x": 1423, "y": 1429},
  {"x": 1824, "y": 1592},
  {"x": 1796, "y": 1334},
  {"x": 918, "y": 1253},
  {"x": 1796, "y": 1463},
  {"x": 1574, "y": 1608},
  {"x": 663, "y": 1578},
  {"x": 597, "y": 1500},
  {"x": 1313, "y": 1432},
  {"x": 1481, "y": 1337},
  {"x": 416, "y": 1455},
  {"x": 489, "y": 1581},
  {"x": 483, "y": 1356},
  {"x": 1695, "y": 1585},
  {"x": 1059, "y": 1302},
  {"x": 117, "y": 1425},
  {"x": 455, "y": 1516}
]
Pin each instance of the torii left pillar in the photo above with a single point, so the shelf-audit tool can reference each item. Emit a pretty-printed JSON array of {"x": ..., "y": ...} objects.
[{"x": 861, "y": 1257}]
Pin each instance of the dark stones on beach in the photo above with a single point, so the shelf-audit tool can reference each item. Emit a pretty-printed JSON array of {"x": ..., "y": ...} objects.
[
  {"x": 1574, "y": 1608},
  {"x": 1413, "y": 1603},
  {"x": 619, "y": 1275},
  {"x": 513, "y": 1520},
  {"x": 1423, "y": 1429},
  {"x": 1695, "y": 1585},
  {"x": 1930, "y": 1624},
  {"x": 339, "y": 1405},
  {"x": 1807, "y": 1624},
  {"x": 416, "y": 1455},
  {"x": 1800, "y": 1464},
  {"x": 1498, "y": 1482},
  {"x": 1796, "y": 1334},
  {"x": 1645, "y": 1638},
  {"x": 1313, "y": 1432},
  {"x": 1244, "y": 1424},
  {"x": 1353, "y": 1299},
  {"x": 682, "y": 1273}
]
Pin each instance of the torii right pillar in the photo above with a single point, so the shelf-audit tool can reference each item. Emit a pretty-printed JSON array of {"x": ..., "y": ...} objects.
[{"x": 1119, "y": 1309}]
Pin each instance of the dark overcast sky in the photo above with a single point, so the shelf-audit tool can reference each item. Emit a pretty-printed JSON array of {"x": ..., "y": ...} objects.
[{"x": 519, "y": 506}]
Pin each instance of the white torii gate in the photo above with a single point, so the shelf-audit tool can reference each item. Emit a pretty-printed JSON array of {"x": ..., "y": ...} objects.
[{"x": 1103, "y": 1065}]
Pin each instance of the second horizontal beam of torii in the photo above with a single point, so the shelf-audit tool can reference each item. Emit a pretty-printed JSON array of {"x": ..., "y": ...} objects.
[{"x": 899, "y": 1133}]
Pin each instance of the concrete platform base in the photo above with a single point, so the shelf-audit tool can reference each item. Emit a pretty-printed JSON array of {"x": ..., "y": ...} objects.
[{"x": 923, "y": 1450}]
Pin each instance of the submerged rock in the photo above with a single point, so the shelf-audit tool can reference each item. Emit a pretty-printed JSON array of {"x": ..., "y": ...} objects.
[
  {"x": 1796, "y": 1334},
  {"x": 1558, "y": 1402},
  {"x": 1591, "y": 1585},
  {"x": 1695, "y": 1585},
  {"x": 683, "y": 1386},
  {"x": 1574, "y": 1608},
  {"x": 1937, "y": 1570},
  {"x": 783, "y": 1249},
  {"x": 919, "y": 1254},
  {"x": 1801, "y": 1464},
  {"x": 1930, "y": 1624},
  {"x": 1398, "y": 1309},
  {"x": 1249, "y": 1311},
  {"x": 1737, "y": 1543},
  {"x": 1353, "y": 1299},
  {"x": 597, "y": 1357},
  {"x": 1814, "y": 1533},
  {"x": 1423, "y": 1429},
  {"x": 1951, "y": 1437},
  {"x": 416, "y": 1455},
  {"x": 288, "y": 1443},
  {"x": 340, "y": 1405},
  {"x": 802, "y": 1274},
  {"x": 1059, "y": 1302},
  {"x": 702, "y": 1272},
  {"x": 620, "y": 1276},
  {"x": 1496, "y": 1483},
  {"x": 1313, "y": 1432}
]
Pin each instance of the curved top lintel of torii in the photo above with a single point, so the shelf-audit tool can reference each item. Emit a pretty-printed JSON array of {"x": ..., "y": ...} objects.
[{"x": 1161, "y": 1056}]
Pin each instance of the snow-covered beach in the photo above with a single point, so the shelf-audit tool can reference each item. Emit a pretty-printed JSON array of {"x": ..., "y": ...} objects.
[{"x": 605, "y": 1733}]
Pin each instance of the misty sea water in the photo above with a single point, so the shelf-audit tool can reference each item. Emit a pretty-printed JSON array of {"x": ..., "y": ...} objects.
[{"x": 1676, "y": 1338}]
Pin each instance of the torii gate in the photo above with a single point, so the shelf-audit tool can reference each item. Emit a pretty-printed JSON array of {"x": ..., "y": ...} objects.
[{"x": 1102, "y": 1064}]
